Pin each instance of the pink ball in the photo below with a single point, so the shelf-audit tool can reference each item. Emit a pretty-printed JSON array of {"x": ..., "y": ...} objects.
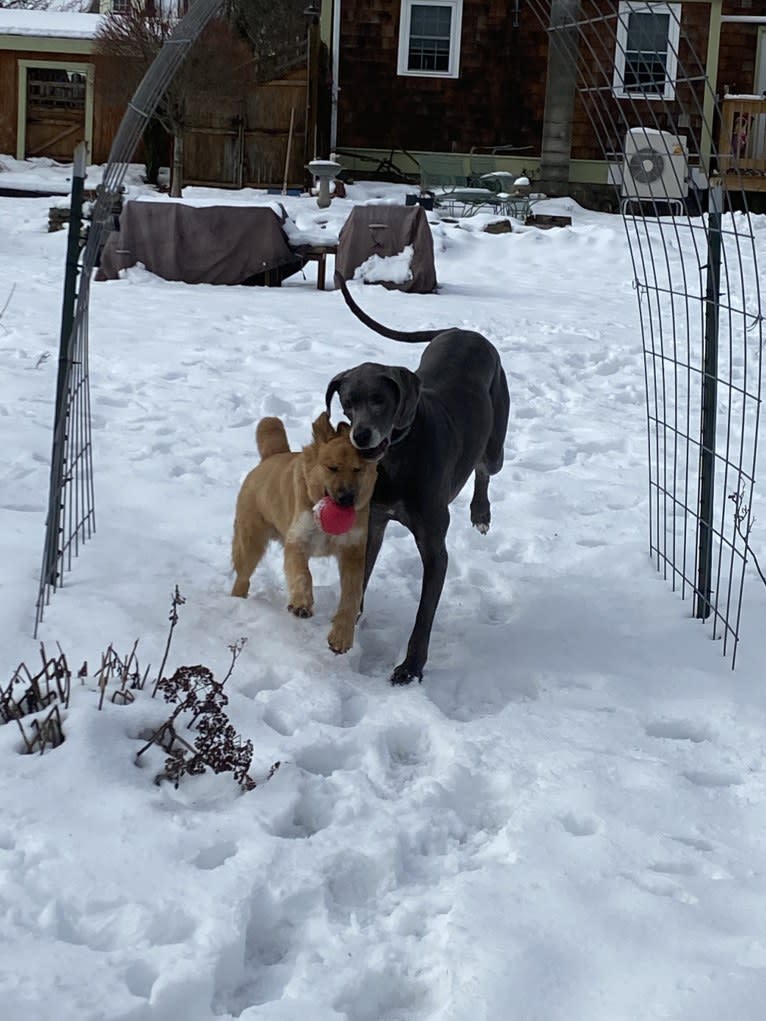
[{"x": 332, "y": 518}]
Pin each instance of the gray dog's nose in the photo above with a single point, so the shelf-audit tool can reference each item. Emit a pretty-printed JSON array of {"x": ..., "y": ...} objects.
[{"x": 362, "y": 437}]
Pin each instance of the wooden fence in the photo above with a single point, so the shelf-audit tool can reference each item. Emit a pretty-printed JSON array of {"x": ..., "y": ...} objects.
[{"x": 258, "y": 141}]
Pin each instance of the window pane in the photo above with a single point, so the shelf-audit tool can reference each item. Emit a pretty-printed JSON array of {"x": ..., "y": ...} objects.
[
  {"x": 648, "y": 31},
  {"x": 430, "y": 31},
  {"x": 646, "y": 52},
  {"x": 55, "y": 88}
]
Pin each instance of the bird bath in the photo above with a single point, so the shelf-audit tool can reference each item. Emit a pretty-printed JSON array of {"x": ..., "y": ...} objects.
[{"x": 324, "y": 171}]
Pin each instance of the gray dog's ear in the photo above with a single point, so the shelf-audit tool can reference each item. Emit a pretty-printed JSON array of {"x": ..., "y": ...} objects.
[
  {"x": 408, "y": 385},
  {"x": 332, "y": 389}
]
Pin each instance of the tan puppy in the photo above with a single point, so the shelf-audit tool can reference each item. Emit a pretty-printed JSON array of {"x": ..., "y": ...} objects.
[{"x": 276, "y": 502}]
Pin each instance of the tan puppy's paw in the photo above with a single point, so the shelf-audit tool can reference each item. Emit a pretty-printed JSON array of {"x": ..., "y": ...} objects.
[
  {"x": 301, "y": 611},
  {"x": 341, "y": 636}
]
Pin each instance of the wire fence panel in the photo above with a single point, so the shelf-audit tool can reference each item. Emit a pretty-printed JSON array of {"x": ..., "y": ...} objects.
[
  {"x": 71, "y": 516},
  {"x": 638, "y": 78},
  {"x": 639, "y": 82}
]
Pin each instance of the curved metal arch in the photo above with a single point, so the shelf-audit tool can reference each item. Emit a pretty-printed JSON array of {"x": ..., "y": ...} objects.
[{"x": 71, "y": 516}]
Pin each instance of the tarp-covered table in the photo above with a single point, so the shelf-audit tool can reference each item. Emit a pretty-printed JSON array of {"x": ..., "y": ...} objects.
[
  {"x": 200, "y": 244},
  {"x": 386, "y": 230}
]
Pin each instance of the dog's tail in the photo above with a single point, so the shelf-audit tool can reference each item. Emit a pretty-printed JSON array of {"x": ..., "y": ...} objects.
[
  {"x": 415, "y": 337},
  {"x": 271, "y": 438}
]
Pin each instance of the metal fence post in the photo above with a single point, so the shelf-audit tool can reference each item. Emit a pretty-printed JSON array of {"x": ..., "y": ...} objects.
[
  {"x": 53, "y": 524},
  {"x": 709, "y": 406}
]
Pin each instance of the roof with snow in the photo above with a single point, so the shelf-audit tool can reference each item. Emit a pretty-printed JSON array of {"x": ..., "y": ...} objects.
[{"x": 55, "y": 24}]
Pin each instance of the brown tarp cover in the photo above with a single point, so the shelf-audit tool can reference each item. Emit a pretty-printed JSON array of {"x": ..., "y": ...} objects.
[
  {"x": 404, "y": 225},
  {"x": 200, "y": 244}
]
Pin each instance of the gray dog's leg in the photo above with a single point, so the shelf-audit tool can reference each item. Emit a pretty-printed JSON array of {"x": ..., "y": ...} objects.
[
  {"x": 431, "y": 544},
  {"x": 480, "y": 514},
  {"x": 375, "y": 532},
  {"x": 492, "y": 461},
  {"x": 498, "y": 392}
]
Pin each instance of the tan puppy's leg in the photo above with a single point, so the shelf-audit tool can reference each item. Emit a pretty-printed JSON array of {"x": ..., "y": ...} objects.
[
  {"x": 247, "y": 547},
  {"x": 351, "y": 567},
  {"x": 299, "y": 585}
]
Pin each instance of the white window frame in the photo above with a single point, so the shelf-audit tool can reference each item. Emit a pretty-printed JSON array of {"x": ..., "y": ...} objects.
[
  {"x": 628, "y": 7},
  {"x": 456, "y": 26}
]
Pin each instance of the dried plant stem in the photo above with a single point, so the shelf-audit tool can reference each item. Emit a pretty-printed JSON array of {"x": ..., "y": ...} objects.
[
  {"x": 7, "y": 301},
  {"x": 743, "y": 524},
  {"x": 177, "y": 600},
  {"x": 235, "y": 649}
]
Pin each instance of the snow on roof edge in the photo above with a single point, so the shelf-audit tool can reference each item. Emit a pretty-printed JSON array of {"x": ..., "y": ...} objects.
[{"x": 53, "y": 24}]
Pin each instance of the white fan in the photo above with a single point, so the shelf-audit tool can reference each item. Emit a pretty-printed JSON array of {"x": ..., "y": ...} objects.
[{"x": 655, "y": 166}]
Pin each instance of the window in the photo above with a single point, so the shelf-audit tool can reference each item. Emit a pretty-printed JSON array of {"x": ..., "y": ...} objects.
[
  {"x": 50, "y": 89},
  {"x": 646, "y": 56},
  {"x": 115, "y": 6},
  {"x": 429, "y": 38}
]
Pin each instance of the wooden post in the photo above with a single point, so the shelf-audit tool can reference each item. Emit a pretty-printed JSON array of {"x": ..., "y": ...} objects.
[
  {"x": 240, "y": 171},
  {"x": 289, "y": 149},
  {"x": 177, "y": 172}
]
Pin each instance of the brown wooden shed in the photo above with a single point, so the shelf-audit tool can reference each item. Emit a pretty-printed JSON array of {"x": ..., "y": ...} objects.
[
  {"x": 50, "y": 100},
  {"x": 48, "y": 96}
]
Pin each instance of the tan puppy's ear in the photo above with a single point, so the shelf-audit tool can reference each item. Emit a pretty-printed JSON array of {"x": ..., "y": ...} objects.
[
  {"x": 343, "y": 429},
  {"x": 322, "y": 429}
]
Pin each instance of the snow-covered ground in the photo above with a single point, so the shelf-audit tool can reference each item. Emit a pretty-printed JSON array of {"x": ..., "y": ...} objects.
[
  {"x": 43, "y": 175},
  {"x": 565, "y": 822}
]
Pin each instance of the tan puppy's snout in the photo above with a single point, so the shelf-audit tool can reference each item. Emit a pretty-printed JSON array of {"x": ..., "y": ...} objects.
[{"x": 345, "y": 497}]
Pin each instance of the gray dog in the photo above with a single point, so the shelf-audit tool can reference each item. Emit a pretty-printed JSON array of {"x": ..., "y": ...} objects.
[{"x": 429, "y": 429}]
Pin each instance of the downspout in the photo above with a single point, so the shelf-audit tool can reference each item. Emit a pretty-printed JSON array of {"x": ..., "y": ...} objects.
[
  {"x": 708, "y": 102},
  {"x": 334, "y": 90}
]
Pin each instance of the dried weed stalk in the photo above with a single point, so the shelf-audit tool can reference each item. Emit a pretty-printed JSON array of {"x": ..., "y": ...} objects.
[
  {"x": 743, "y": 523},
  {"x": 30, "y": 693},
  {"x": 198, "y": 698},
  {"x": 5, "y": 306},
  {"x": 48, "y": 732},
  {"x": 176, "y": 601},
  {"x": 125, "y": 671},
  {"x": 200, "y": 705}
]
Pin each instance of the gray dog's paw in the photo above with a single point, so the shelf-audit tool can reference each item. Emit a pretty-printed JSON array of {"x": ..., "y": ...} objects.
[
  {"x": 403, "y": 675},
  {"x": 481, "y": 526}
]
